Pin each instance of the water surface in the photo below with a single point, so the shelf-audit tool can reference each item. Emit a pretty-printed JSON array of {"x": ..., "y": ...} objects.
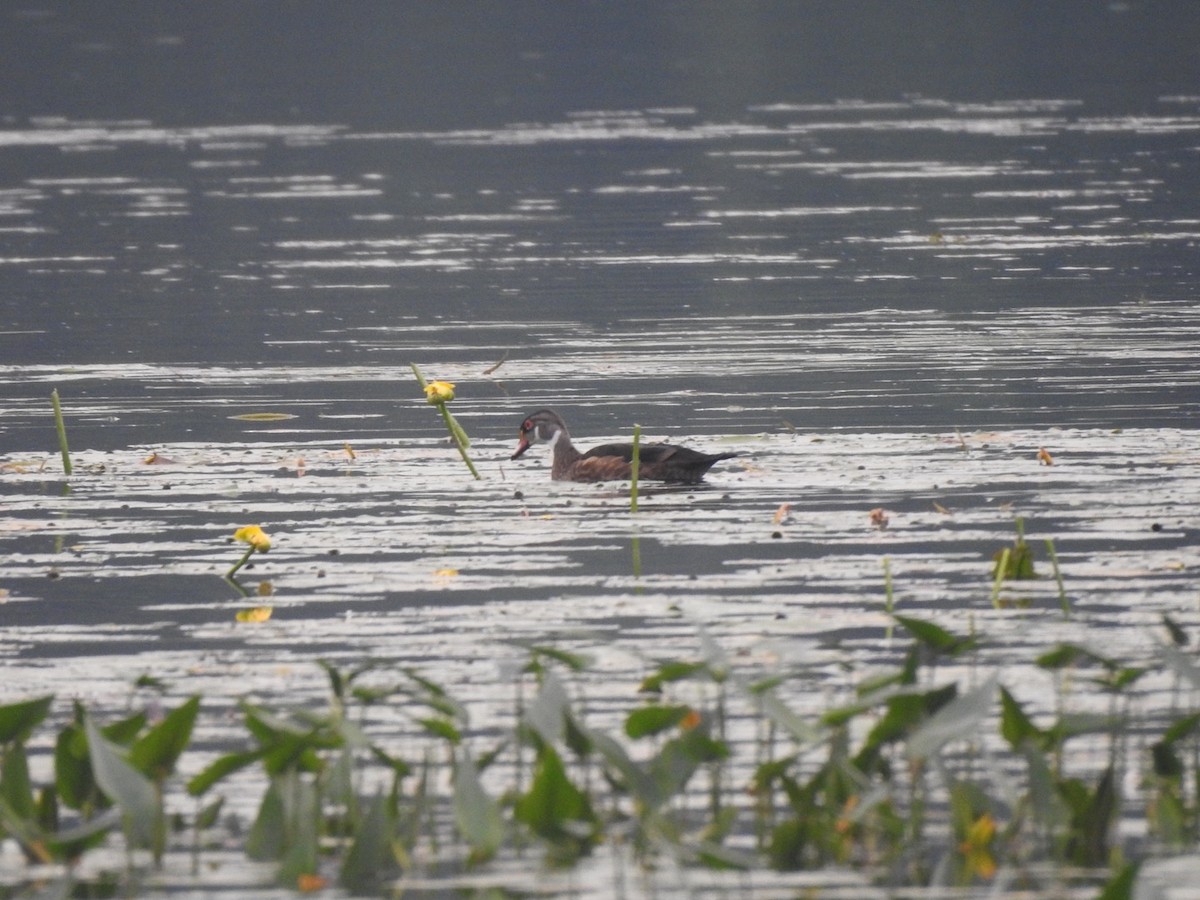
[{"x": 889, "y": 301}]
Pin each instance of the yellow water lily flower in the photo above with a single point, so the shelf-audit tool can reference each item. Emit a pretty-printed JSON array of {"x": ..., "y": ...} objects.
[
  {"x": 254, "y": 536},
  {"x": 258, "y": 541},
  {"x": 439, "y": 392}
]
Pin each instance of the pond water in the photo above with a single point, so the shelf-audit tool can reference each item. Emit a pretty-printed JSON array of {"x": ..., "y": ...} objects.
[{"x": 889, "y": 298}]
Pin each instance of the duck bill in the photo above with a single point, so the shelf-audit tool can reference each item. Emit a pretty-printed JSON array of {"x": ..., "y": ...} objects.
[{"x": 522, "y": 446}]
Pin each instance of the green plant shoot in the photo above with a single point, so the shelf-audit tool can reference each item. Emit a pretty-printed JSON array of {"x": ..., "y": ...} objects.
[
  {"x": 634, "y": 465},
  {"x": 439, "y": 393},
  {"x": 62, "y": 432},
  {"x": 1062, "y": 591}
]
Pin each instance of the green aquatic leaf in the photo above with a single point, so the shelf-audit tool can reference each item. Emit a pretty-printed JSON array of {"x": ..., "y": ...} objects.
[
  {"x": 441, "y": 728},
  {"x": 1121, "y": 885},
  {"x": 957, "y": 720},
  {"x": 555, "y": 809},
  {"x": 547, "y": 714},
  {"x": 576, "y": 662},
  {"x": 371, "y": 858},
  {"x": 669, "y": 672},
  {"x": 787, "y": 718},
  {"x": 123, "y": 732},
  {"x": 15, "y": 787},
  {"x": 904, "y": 714},
  {"x": 220, "y": 768},
  {"x": 651, "y": 720},
  {"x": 268, "y": 834},
  {"x": 57, "y": 846},
  {"x": 208, "y": 816},
  {"x": 624, "y": 770},
  {"x": 17, "y": 720},
  {"x": 303, "y": 808},
  {"x": 475, "y": 812},
  {"x": 1182, "y": 728},
  {"x": 1066, "y": 655},
  {"x": 128, "y": 788},
  {"x": 1015, "y": 725},
  {"x": 73, "y": 778},
  {"x": 1091, "y": 816},
  {"x": 156, "y": 752},
  {"x": 935, "y": 637}
]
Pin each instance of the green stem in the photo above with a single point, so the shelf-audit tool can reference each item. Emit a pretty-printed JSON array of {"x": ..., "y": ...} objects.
[
  {"x": 459, "y": 437},
  {"x": 241, "y": 562},
  {"x": 456, "y": 432},
  {"x": 1062, "y": 591},
  {"x": 634, "y": 465},
  {"x": 62, "y": 432},
  {"x": 420, "y": 377},
  {"x": 889, "y": 596},
  {"x": 1001, "y": 572}
]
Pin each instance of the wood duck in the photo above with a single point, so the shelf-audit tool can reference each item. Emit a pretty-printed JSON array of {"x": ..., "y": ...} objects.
[{"x": 611, "y": 462}]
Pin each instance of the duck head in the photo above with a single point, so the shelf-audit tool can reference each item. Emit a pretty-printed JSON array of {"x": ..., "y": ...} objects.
[{"x": 543, "y": 426}]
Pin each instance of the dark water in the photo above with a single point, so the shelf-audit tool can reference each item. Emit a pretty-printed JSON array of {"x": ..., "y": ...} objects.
[
  {"x": 912, "y": 210},
  {"x": 886, "y": 251}
]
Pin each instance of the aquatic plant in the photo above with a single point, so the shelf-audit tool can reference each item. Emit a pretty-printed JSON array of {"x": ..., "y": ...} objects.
[
  {"x": 898, "y": 778},
  {"x": 61, "y": 428},
  {"x": 634, "y": 466},
  {"x": 113, "y": 776},
  {"x": 256, "y": 540},
  {"x": 439, "y": 393}
]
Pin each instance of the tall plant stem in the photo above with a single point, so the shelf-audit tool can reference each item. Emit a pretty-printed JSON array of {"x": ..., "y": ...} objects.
[
  {"x": 1062, "y": 591},
  {"x": 1000, "y": 575},
  {"x": 457, "y": 434},
  {"x": 634, "y": 465},
  {"x": 889, "y": 601},
  {"x": 241, "y": 562},
  {"x": 62, "y": 432}
]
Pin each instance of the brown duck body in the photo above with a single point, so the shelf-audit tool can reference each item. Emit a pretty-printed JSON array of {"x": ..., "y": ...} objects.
[{"x": 612, "y": 462}]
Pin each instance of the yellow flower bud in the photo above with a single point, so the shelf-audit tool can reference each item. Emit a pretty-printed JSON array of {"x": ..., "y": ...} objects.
[
  {"x": 439, "y": 392},
  {"x": 254, "y": 536}
]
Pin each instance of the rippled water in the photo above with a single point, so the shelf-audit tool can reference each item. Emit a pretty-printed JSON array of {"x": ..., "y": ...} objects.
[{"x": 886, "y": 305}]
